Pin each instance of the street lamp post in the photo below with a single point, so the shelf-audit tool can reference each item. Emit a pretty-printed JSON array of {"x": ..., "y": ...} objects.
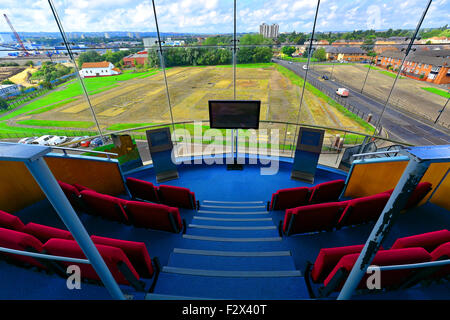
[
  {"x": 442, "y": 110},
  {"x": 367, "y": 74}
]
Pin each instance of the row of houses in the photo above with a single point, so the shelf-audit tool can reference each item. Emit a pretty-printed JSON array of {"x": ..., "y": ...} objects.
[{"x": 426, "y": 65}]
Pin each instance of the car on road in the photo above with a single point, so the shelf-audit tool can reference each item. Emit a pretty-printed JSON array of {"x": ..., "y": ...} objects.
[
  {"x": 305, "y": 67},
  {"x": 76, "y": 142},
  {"x": 43, "y": 140},
  {"x": 342, "y": 92},
  {"x": 325, "y": 77},
  {"x": 27, "y": 140}
]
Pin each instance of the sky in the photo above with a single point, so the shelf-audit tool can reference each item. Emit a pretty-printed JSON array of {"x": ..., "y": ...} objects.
[{"x": 216, "y": 16}]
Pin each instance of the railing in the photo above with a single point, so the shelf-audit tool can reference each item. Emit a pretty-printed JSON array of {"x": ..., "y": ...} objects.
[
  {"x": 64, "y": 150},
  {"x": 431, "y": 264},
  {"x": 43, "y": 256}
]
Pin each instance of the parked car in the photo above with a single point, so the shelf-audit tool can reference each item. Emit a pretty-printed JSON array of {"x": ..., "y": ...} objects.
[
  {"x": 27, "y": 140},
  {"x": 305, "y": 67},
  {"x": 85, "y": 143},
  {"x": 342, "y": 92},
  {"x": 97, "y": 142},
  {"x": 76, "y": 142},
  {"x": 325, "y": 77},
  {"x": 43, "y": 140},
  {"x": 57, "y": 140}
]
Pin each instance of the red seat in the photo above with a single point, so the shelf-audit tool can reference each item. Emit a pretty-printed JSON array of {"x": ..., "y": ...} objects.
[
  {"x": 105, "y": 206},
  {"x": 327, "y": 191},
  {"x": 80, "y": 188},
  {"x": 363, "y": 209},
  {"x": 141, "y": 189},
  {"x": 327, "y": 260},
  {"x": 44, "y": 233},
  {"x": 429, "y": 241},
  {"x": 114, "y": 258},
  {"x": 154, "y": 216},
  {"x": 441, "y": 253},
  {"x": 136, "y": 252},
  {"x": 176, "y": 197},
  {"x": 314, "y": 217},
  {"x": 418, "y": 194},
  {"x": 72, "y": 193},
  {"x": 10, "y": 221},
  {"x": 382, "y": 258},
  {"x": 290, "y": 198},
  {"x": 20, "y": 241}
]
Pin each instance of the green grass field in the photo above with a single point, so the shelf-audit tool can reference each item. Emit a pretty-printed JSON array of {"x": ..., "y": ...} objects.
[
  {"x": 56, "y": 123},
  {"x": 390, "y": 74},
  {"x": 73, "y": 89},
  {"x": 437, "y": 91}
]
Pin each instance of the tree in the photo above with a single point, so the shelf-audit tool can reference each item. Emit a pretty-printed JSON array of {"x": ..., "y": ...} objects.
[
  {"x": 3, "y": 104},
  {"x": 288, "y": 50},
  {"x": 320, "y": 54},
  {"x": 89, "y": 56},
  {"x": 7, "y": 81}
]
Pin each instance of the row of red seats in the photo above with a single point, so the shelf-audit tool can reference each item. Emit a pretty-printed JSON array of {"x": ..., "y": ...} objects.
[
  {"x": 128, "y": 261},
  {"x": 302, "y": 196},
  {"x": 333, "y": 265},
  {"x": 138, "y": 213},
  {"x": 169, "y": 195},
  {"x": 331, "y": 215}
]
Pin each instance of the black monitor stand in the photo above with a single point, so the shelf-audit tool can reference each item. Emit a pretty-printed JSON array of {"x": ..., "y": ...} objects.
[{"x": 235, "y": 165}]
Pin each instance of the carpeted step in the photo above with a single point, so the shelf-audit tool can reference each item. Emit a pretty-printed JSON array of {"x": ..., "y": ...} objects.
[
  {"x": 232, "y": 221},
  {"x": 252, "y": 263},
  {"x": 249, "y": 288},
  {"x": 230, "y": 233},
  {"x": 214, "y": 243}
]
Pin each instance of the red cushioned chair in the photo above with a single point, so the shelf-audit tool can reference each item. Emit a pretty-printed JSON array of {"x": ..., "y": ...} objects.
[
  {"x": 314, "y": 217},
  {"x": 10, "y": 221},
  {"x": 21, "y": 241},
  {"x": 363, "y": 209},
  {"x": 154, "y": 216},
  {"x": 429, "y": 241},
  {"x": 177, "y": 197},
  {"x": 72, "y": 194},
  {"x": 44, "y": 233},
  {"x": 115, "y": 259},
  {"x": 290, "y": 198},
  {"x": 422, "y": 189},
  {"x": 441, "y": 253},
  {"x": 327, "y": 191},
  {"x": 141, "y": 189},
  {"x": 136, "y": 252},
  {"x": 80, "y": 187},
  {"x": 389, "y": 279},
  {"x": 106, "y": 206}
]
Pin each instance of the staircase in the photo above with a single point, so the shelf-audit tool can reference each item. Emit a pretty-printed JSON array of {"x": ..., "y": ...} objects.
[{"x": 231, "y": 250}]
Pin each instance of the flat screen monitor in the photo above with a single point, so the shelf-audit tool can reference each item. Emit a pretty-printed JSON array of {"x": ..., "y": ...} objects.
[
  {"x": 159, "y": 139},
  {"x": 310, "y": 139},
  {"x": 234, "y": 114}
]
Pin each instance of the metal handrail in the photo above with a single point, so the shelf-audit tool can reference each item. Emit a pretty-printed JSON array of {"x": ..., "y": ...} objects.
[
  {"x": 411, "y": 265},
  {"x": 261, "y": 121},
  {"x": 79, "y": 150},
  {"x": 376, "y": 152},
  {"x": 44, "y": 256}
]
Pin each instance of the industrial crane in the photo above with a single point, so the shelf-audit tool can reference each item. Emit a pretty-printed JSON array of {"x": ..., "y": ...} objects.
[{"x": 17, "y": 36}]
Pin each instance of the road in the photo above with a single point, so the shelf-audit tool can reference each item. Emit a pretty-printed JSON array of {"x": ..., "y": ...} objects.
[{"x": 399, "y": 125}]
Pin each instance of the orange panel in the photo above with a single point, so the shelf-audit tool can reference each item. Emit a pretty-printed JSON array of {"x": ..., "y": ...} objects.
[
  {"x": 442, "y": 196},
  {"x": 371, "y": 178},
  {"x": 102, "y": 176}
]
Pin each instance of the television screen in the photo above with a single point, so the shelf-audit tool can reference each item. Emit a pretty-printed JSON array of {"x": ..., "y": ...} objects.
[
  {"x": 159, "y": 139},
  {"x": 234, "y": 114}
]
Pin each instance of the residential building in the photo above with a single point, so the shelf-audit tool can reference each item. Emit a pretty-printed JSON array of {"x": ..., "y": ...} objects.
[
  {"x": 137, "y": 58},
  {"x": 269, "y": 31},
  {"x": 426, "y": 65},
  {"x": 98, "y": 69},
  {"x": 345, "y": 53}
]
